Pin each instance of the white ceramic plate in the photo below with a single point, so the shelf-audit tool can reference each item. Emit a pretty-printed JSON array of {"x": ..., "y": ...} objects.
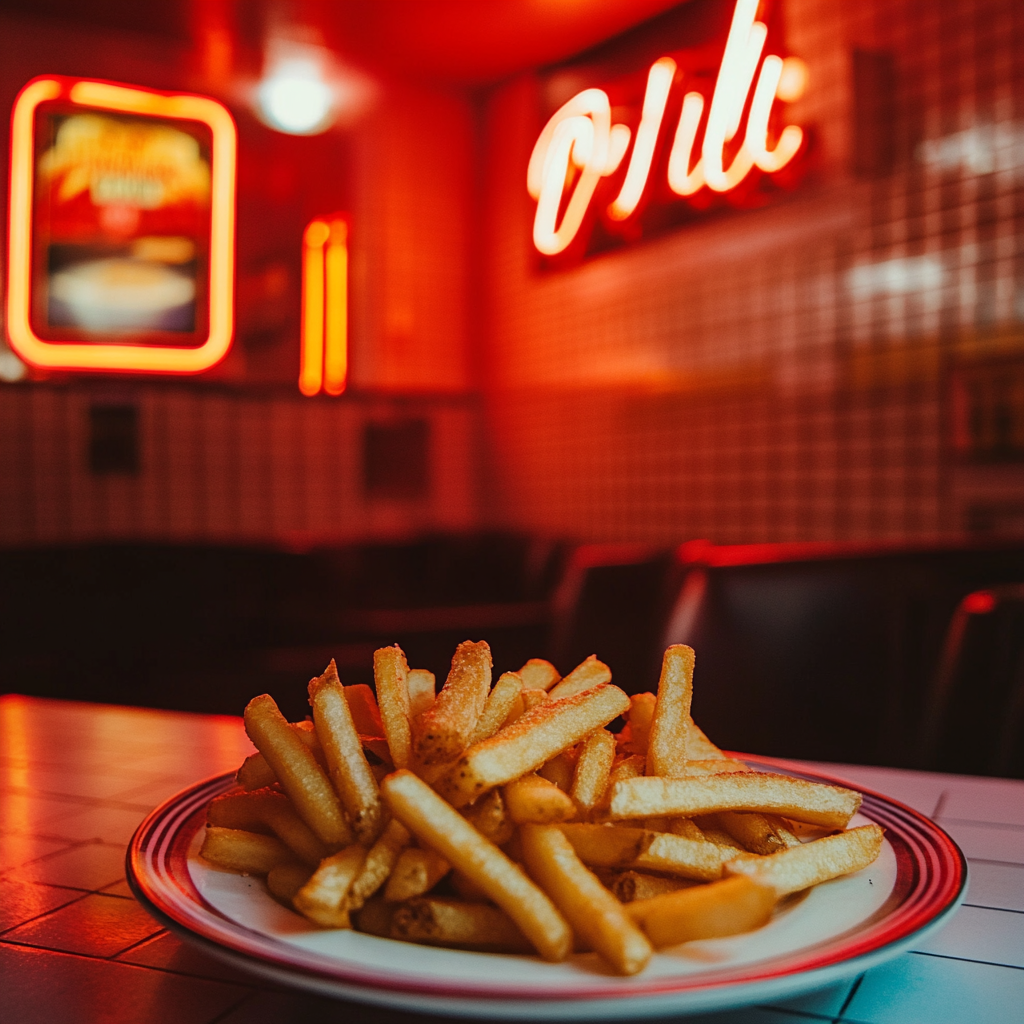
[{"x": 836, "y": 930}]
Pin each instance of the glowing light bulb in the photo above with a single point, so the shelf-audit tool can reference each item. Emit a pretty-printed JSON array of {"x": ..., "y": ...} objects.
[{"x": 295, "y": 98}]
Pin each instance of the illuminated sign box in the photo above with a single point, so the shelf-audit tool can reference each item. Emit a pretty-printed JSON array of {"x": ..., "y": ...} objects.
[
  {"x": 692, "y": 129},
  {"x": 121, "y": 228}
]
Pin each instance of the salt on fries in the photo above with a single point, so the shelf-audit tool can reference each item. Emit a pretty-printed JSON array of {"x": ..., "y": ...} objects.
[{"x": 509, "y": 818}]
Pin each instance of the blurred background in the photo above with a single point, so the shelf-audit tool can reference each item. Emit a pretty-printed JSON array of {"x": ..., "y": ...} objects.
[{"x": 782, "y": 421}]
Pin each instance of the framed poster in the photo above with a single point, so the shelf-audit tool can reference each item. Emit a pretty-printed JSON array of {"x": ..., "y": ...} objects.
[{"x": 121, "y": 228}]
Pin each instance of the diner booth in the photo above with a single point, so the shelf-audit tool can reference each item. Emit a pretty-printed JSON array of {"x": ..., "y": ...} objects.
[{"x": 579, "y": 329}]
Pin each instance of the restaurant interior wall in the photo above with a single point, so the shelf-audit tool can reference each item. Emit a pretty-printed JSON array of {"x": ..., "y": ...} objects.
[
  {"x": 239, "y": 455},
  {"x": 847, "y": 364}
]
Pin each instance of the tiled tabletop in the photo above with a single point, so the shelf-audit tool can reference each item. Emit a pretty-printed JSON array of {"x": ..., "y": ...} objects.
[{"x": 75, "y": 947}]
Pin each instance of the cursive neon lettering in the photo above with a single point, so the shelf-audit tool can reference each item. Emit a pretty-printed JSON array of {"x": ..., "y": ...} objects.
[
  {"x": 580, "y": 135},
  {"x": 770, "y": 160},
  {"x": 739, "y": 64},
  {"x": 659, "y": 81},
  {"x": 681, "y": 179}
]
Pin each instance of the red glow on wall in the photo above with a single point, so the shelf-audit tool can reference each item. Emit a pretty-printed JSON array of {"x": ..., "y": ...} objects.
[{"x": 121, "y": 228}]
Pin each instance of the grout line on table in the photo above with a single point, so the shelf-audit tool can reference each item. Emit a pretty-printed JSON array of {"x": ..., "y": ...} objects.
[
  {"x": 1001, "y": 910},
  {"x": 234, "y": 1006},
  {"x": 128, "y": 963},
  {"x": 966, "y": 960},
  {"x": 848, "y": 999},
  {"x": 940, "y": 803},
  {"x": 77, "y": 798},
  {"x": 806, "y": 1014},
  {"x": 152, "y": 937},
  {"x": 46, "y": 913}
]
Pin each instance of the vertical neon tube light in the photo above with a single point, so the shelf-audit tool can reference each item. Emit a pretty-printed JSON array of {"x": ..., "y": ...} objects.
[
  {"x": 323, "y": 362},
  {"x": 336, "y": 304},
  {"x": 311, "y": 366}
]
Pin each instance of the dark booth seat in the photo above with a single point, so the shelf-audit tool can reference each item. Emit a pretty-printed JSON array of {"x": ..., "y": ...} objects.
[
  {"x": 206, "y": 627},
  {"x": 815, "y": 651}
]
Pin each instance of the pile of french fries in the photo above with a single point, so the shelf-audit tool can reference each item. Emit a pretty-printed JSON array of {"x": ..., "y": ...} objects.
[{"x": 510, "y": 819}]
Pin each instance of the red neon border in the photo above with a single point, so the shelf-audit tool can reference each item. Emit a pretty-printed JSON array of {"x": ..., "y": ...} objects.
[{"x": 101, "y": 95}]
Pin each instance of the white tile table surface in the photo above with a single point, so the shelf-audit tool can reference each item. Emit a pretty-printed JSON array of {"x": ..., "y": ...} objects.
[{"x": 75, "y": 947}]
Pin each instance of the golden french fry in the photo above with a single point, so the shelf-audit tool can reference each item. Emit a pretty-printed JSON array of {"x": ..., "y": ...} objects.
[
  {"x": 447, "y": 725},
  {"x": 593, "y": 768},
  {"x": 595, "y": 914},
  {"x": 666, "y": 749},
  {"x": 248, "y": 853},
  {"x": 267, "y": 811},
  {"x": 539, "y": 674},
  {"x": 757, "y": 833},
  {"x": 703, "y": 912},
  {"x": 490, "y": 817},
  {"x": 285, "y": 880},
  {"x": 390, "y": 676},
  {"x": 604, "y": 846},
  {"x": 533, "y": 696},
  {"x": 711, "y": 830},
  {"x": 323, "y": 898},
  {"x": 560, "y": 769},
  {"x": 533, "y": 799},
  {"x": 528, "y": 698},
  {"x": 500, "y": 703},
  {"x": 442, "y": 922},
  {"x": 378, "y": 746},
  {"x": 421, "y": 685},
  {"x": 439, "y": 826},
  {"x": 807, "y": 864},
  {"x": 631, "y": 767},
  {"x": 380, "y": 860},
  {"x": 714, "y": 766},
  {"x": 255, "y": 773},
  {"x": 698, "y": 746},
  {"x": 375, "y": 918},
  {"x": 628, "y": 886},
  {"x": 684, "y": 857},
  {"x": 529, "y": 742},
  {"x": 362, "y": 705},
  {"x": 297, "y": 770},
  {"x": 587, "y": 674},
  {"x": 685, "y": 827},
  {"x": 609, "y": 847},
  {"x": 417, "y": 871},
  {"x": 349, "y": 770},
  {"x": 639, "y": 717},
  {"x": 811, "y": 802}
]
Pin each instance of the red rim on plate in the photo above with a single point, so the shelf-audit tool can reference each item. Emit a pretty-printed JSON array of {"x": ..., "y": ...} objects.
[{"x": 931, "y": 875}]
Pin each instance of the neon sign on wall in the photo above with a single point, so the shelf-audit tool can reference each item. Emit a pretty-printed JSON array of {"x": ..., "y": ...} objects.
[
  {"x": 323, "y": 363},
  {"x": 588, "y": 171},
  {"x": 121, "y": 228}
]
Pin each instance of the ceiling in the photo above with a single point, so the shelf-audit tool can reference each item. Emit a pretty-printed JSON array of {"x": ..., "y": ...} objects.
[
  {"x": 466, "y": 42},
  {"x": 476, "y": 41}
]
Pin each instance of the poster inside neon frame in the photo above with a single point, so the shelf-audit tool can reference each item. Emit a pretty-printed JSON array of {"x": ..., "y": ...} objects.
[{"x": 709, "y": 132}]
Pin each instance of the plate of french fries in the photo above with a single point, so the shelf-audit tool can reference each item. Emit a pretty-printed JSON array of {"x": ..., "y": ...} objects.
[{"x": 534, "y": 847}]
